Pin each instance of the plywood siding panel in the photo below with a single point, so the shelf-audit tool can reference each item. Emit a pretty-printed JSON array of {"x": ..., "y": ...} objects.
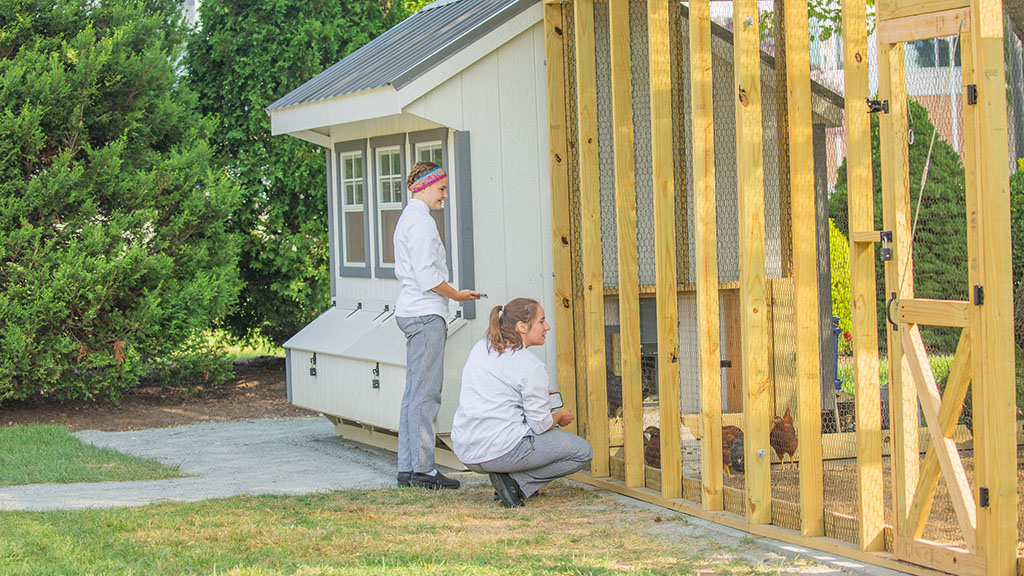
[{"x": 524, "y": 238}]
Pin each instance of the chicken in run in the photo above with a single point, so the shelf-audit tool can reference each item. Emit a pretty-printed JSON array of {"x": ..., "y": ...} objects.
[
  {"x": 652, "y": 447},
  {"x": 783, "y": 438},
  {"x": 732, "y": 449}
]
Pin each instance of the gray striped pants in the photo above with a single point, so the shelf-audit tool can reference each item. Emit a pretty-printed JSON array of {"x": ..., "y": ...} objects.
[
  {"x": 537, "y": 460},
  {"x": 425, "y": 337}
]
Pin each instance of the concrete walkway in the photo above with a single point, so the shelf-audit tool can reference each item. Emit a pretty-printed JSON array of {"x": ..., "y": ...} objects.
[
  {"x": 301, "y": 456},
  {"x": 288, "y": 456}
]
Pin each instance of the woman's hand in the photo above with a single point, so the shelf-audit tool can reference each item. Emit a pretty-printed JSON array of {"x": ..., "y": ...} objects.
[
  {"x": 463, "y": 295},
  {"x": 563, "y": 417}
]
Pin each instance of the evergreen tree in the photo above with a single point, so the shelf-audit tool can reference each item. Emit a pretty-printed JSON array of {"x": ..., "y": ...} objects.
[
  {"x": 940, "y": 245},
  {"x": 244, "y": 57},
  {"x": 113, "y": 245}
]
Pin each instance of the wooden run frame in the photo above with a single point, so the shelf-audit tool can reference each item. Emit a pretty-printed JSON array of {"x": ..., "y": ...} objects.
[{"x": 984, "y": 355}]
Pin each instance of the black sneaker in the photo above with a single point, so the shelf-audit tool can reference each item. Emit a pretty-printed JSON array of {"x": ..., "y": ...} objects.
[
  {"x": 436, "y": 482},
  {"x": 507, "y": 489},
  {"x": 404, "y": 479}
]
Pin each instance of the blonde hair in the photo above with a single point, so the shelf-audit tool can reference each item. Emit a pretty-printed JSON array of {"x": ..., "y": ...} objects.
[
  {"x": 501, "y": 329},
  {"x": 418, "y": 169}
]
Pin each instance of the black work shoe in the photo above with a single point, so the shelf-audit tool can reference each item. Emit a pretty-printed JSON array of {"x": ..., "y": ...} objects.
[
  {"x": 436, "y": 482},
  {"x": 507, "y": 489},
  {"x": 404, "y": 479}
]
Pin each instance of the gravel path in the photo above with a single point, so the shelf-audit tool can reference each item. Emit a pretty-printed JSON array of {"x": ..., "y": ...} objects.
[{"x": 287, "y": 456}]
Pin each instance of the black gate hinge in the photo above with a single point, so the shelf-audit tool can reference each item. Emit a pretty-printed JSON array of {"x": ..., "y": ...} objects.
[
  {"x": 979, "y": 295},
  {"x": 972, "y": 94},
  {"x": 982, "y": 497},
  {"x": 876, "y": 106}
]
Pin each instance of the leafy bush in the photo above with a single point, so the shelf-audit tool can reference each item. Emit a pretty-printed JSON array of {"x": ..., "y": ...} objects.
[
  {"x": 113, "y": 246},
  {"x": 940, "y": 245},
  {"x": 282, "y": 225},
  {"x": 839, "y": 258}
]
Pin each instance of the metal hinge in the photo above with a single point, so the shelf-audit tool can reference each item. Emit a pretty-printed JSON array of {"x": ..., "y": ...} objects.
[
  {"x": 972, "y": 94},
  {"x": 876, "y": 106},
  {"x": 726, "y": 363},
  {"x": 979, "y": 295},
  {"x": 983, "y": 497}
]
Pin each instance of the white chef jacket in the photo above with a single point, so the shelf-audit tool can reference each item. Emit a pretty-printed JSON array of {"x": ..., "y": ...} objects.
[
  {"x": 420, "y": 263},
  {"x": 503, "y": 399}
]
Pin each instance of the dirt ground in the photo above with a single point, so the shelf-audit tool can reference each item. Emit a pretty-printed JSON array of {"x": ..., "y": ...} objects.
[{"x": 258, "y": 391}]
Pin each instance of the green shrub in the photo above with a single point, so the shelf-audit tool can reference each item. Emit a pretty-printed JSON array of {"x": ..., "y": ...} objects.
[
  {"x": 282, "y": 223},
  {"x": 114, "y": 250},
  {"x": 839, "y": 257},
  {"x": 940, "y": 244}
]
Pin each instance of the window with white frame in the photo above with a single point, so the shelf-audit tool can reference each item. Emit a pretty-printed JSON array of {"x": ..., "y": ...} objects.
[
  {"x": 433, "y": 152},
  {"x": 353, "y": 229},
  {"x": 390, "y": 191}
]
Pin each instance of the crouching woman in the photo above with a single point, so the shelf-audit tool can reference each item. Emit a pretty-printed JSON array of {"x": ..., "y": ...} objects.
[{"x": 504, "y": 426}]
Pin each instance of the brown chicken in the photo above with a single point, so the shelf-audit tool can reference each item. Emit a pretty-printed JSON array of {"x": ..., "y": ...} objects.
[
  {"x": 652, "y": 451},
  {"x": 783, "y": 438},
  {"x": 730, "y": 434}
]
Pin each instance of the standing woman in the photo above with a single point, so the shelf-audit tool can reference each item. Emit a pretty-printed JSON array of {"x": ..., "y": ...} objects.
[
  {"x": 504, "y": 426},
  {"x": 421, "y": 311}
]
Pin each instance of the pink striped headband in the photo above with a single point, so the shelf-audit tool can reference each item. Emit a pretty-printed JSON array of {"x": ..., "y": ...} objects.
[{"x": 428, "y": 179}]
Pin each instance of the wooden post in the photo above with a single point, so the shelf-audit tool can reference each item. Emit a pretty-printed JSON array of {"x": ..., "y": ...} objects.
[
  {"x": 753, "y": 286},
  {"x": 625, "y": 214},
  {"x": 995, "y": 445},
  {"x": 782, "y": 122},
  {"x": 658, "y": 31},
  {"x": 706, "y": 225},
  {"x": 899, "y": 274},
  {"x": 805, "y": 267},
  {"x": 590, "y": 225},
  {"x": 862, "y": 280},
  {"x": 554, "y": 52}
]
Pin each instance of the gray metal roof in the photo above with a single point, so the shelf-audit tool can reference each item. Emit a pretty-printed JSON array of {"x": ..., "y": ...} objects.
[{"x": 407, "y": 50}]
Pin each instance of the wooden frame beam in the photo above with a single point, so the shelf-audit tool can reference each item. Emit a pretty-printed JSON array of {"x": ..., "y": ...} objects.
[
  {"x": 957, "y": 486},
  {"x": 989, "y": 266},
  {"x": 896, "y": 217},
  {"x": 805, "y": 267},
  {"x": 949, "y": 415},
  {"x": 625, "y": 214},
  {"x": 554, "y": 52},
  {"x": 862, "y": 280},
  {"x": 924, "y": 26},
  {"x": 658, "y": 29},
  {"x": 753, "y": 285},
  {"x": 934, "y": 312},
  {"x": 590, "y": 226},
  {"x": 706, "y": 228},
  {"x": 889, "y": 9}
]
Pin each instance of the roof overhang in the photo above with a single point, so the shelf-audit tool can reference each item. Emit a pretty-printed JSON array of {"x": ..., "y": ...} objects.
[{"x": 312, "y": 120}]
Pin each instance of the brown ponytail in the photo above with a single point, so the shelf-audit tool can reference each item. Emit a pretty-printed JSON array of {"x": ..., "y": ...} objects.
[
  {"x": 501, "y": 329},
  {"x": 418, "y": 169}
]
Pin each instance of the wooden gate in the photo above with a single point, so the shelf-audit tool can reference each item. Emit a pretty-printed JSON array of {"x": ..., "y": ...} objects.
[{"x": 986, "y": 511}]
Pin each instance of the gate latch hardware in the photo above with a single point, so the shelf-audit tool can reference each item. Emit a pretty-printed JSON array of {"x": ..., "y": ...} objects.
[
  {"x": 876, "y": 106},
  {"x": 972, "y": 94},
  {"x": 888, "y": 312},
  {"x": 983, "y": 497},
  {"x": 375, "y": 383},
  {"x": 885, "y": 253},
  {"x": 979, "y": 295},
  {"x": 312, "y": 365}
]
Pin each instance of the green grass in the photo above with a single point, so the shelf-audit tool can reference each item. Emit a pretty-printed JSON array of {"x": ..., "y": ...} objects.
[
  {"x": 940, "y": 363},
  {"x": 37, "y": 454},
  {"x": 565, "y": 530},
  {"x": 236, "y": 350}
]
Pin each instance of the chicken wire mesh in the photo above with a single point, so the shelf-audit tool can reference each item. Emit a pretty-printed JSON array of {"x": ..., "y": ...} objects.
[
  {"x": 1015, "y": 121},
  {"x": 933, "y": 109}
]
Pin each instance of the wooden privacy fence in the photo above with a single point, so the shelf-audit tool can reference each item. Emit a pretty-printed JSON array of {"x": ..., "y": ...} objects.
[{"x": 684, "y": 169}]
